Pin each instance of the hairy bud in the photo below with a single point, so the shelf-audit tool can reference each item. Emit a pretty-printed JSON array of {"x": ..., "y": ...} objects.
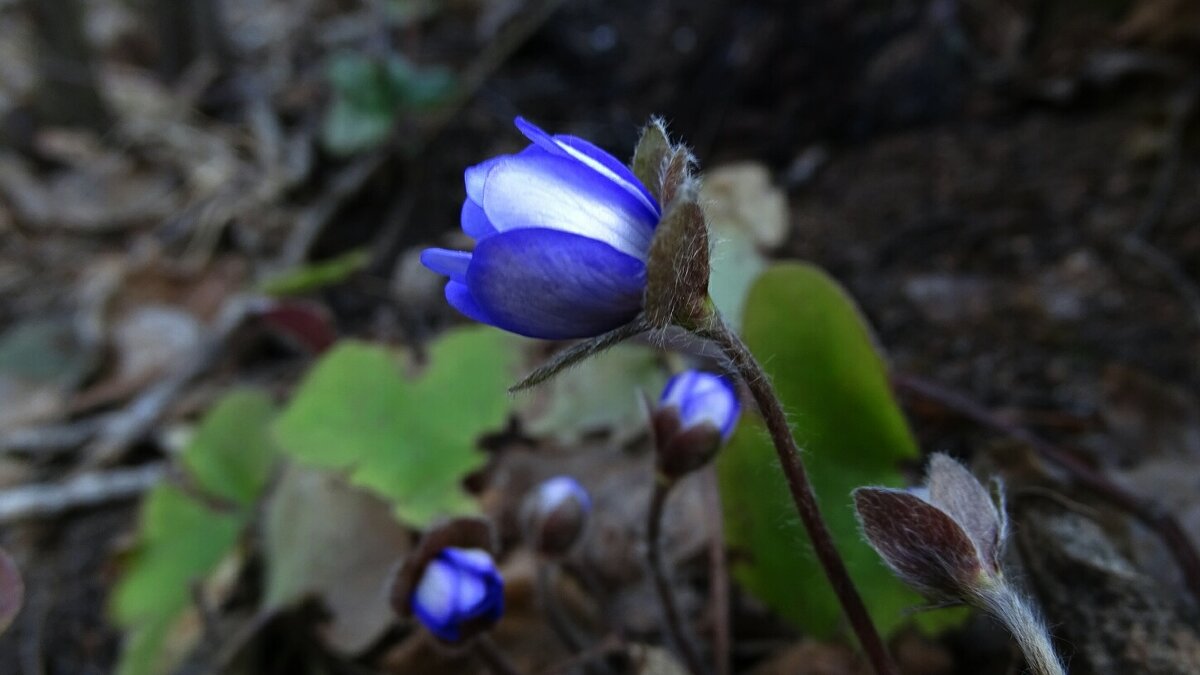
[{"x": 555, "y": 515}]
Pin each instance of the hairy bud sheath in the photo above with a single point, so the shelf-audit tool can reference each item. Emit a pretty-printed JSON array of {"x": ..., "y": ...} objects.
[
  {"x": 555, "y": 515},
  {"x": 946, "y": 540}
]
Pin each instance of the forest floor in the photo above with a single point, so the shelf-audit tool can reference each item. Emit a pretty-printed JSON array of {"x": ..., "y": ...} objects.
[{"x": 1007, "y": 188}]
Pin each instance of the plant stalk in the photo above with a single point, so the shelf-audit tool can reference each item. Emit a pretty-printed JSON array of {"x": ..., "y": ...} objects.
[
  {"x": 801, "y": 489},
  {"x": 671, "y": 618},
  {"x": 562, "y": 625},
  {"x": 488, "y": 652},
  {"x": 1014, "y": 611}
]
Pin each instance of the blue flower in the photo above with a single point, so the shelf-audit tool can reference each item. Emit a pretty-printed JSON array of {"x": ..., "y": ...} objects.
[
  {"x": 562, "y": 233},
  {"x": 702, "y": 398},
  {"x": 459, "y": 594}
]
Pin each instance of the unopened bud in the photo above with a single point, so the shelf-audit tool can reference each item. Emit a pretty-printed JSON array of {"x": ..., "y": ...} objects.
[
  {"x": 450, "y": 582},
  {"x": 694, "y": 417},
  {"x": 944, "y": 539},
  {"x": 556, "y": 514}
]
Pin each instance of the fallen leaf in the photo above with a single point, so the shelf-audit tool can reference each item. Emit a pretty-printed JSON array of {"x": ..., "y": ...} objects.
[{"x": 326, "y": 539}]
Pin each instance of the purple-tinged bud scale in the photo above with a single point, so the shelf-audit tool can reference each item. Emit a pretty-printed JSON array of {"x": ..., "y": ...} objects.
[{"x": 556, "y": 514}]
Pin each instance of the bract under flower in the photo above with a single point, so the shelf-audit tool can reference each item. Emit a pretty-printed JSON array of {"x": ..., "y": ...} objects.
[{"x": 562, "y": 229}]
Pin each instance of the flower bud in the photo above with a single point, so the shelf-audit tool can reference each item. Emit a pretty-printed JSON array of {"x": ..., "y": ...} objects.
[
  {"x": 695, "y": 415},
  {"x": 459, "y": 594},
  {"x": 450, "y": 582},
  {"x": 944, "y": 539},
  {"x": 555, "y": 515}
]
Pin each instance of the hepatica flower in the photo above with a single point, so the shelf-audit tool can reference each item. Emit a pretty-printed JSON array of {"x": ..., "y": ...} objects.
[
  {"x": 458, "y": 594},
  {"x": 695, "y": 415},
  {"x": 563, "y": 232}
]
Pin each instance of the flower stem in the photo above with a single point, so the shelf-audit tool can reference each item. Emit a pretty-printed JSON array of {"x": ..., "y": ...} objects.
[
  {"x": 490, "y": 654},
  {"x": 671, "y": 619},
  {"x": 559, "y": 622},
  {"x": 1014, "y": 611},
  {"x": 803, "y": 496}
]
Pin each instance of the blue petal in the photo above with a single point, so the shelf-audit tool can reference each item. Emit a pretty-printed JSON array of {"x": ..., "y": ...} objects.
[
  {"x": 555, "y": 285},
  {"x": 460, "y": 298},
  {"x": 475, "y": 222},
  {"x": 591, "y": 156},
  {"x": 547, "y": 191},
  {"x": 433, "y": 599},
  {"x": 449, "y": 263},
  {"x": 475, "y": 176}
]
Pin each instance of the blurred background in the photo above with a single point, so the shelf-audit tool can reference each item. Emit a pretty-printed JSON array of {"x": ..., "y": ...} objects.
[{"x": 197, "y": 195}]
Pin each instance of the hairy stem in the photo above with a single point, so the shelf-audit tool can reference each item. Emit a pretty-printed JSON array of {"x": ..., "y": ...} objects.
[
  {"x": 560, "y": 623},
  {"x": 803, "y": 496},
  {"x": 1013, "y": 610},
  {"x": 670, "y": 610},
  {"x": 490, "y": 654}
]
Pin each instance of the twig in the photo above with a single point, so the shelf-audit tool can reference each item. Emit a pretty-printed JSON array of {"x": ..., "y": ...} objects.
[
  {"x": 609, "y": 645},
  {"x": 55, "y": 439},
  {"x": 559, "y": 622},
  {"x": 1183, "y": 107},
  {"x": 140, "y": 416},
  {"x": 490, "y": 654},
  {"x": 672, "y": 621},
  {"x": 718, "y": 580},
  {"x": 1151, "y": 514},
  {"x": 803, "y": 496},
  {"x": 51, "y": 499}
]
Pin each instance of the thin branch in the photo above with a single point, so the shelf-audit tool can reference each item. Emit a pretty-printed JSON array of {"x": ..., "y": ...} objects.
[
  {"x": 560, "y": 623},
  {"x": 91, "y": 489},
  {"x": 490, "y": 654},
  {"x": 1151, "y": 514}
]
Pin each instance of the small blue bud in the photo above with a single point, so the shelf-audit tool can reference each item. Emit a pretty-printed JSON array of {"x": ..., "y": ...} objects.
[
  {"x": 459, "y": 594},
  {"x": 696, "y": 414},
  {"x": 700, "y": 398},
  {"x": 556, "y": 514}
]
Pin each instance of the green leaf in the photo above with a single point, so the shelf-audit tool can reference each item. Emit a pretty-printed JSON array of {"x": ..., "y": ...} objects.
[
  {"x": 231, "y": 454},
  {"x": 600, "y": 393},
  {"x": 181, "y": 541},
  {"x": 317, "y": 275},
  {"x": 814, "y": 343},
  {"x": 369, "y": 93},
  {"x": 419, "y": 87},
  {"x": 410, "y": 441},
  {"x": 364, "y": 105}
]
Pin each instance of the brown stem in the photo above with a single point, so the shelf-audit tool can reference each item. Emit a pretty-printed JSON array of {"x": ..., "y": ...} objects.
[
  {"x": 560, "y": 623},
  {"x": 802, "y": 494},
  {"x": 718, "y": 578},
  {"x": 671, "y": 619},
  {"x": 1151, "y": 514},
  {"x": 490, "y": 654}
]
